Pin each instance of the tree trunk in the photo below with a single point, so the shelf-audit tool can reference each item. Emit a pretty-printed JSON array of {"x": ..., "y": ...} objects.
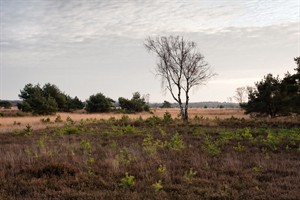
[
  {"x": 186, "y": 107},
  {"x": 182, "y": 114},
  {"x": 186, "y": 116}
]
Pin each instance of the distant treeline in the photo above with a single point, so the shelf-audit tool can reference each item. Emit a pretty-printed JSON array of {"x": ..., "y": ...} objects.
[{"x": 206, "y": 104}]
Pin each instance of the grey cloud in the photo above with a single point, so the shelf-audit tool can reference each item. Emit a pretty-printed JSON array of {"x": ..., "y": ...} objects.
[{"x": 75, "y": 21}]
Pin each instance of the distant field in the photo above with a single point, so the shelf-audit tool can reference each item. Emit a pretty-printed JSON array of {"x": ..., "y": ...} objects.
[{"x": 8, "y": 124}]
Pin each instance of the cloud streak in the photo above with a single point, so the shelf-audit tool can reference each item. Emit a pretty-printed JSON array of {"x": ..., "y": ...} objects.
[{"x": 78, "y": 21}]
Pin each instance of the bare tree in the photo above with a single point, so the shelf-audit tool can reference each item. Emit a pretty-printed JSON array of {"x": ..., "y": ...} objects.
[
  {"x": 241, "y": 94},
  {"x": 180, "y": 66}
]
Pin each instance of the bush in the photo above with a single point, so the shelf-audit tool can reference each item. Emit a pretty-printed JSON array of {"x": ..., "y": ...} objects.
[
  {"x": 127, "y": 181},
  {"x": 98, "y": 103},
  {"x": 5, "y": 104},
  {"x": 166, "y": 104},
  {"x": 167, "y": 118},
  {"x": 136, "y": 104}
]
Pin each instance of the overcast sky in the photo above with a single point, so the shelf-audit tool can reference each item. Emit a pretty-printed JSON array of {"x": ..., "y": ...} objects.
[{"x": 90, "y": 46}]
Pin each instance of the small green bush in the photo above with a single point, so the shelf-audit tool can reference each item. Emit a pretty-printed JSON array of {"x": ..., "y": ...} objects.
[
  {"x": 157, "y": 186},
  {"x": 70, "y": 130},
  {"x": 167, "y": 118},
  {"x": 125, "y": 157},
  {"x": 28, "y": 130},
  {"x": 86, "y": 145},
  {"x": 47, "y": 120},
  {"x": 161, "y": 170},
  {"x": 127, "y": 181},
  {"x": 211, "y": 147},
  {"x": 129, "y": 129},
  {"x": 176, "y": 143},
  {"x": 124, "y": 120},
  {"x": 69, "y": 121},
  {"x": 189, "y": 175},
  {"x": 58, "y": 119},
  {"x": 154, "y": 120},
  {"x": 239, "y": 147},
  {"x": 151, "y": 145}
]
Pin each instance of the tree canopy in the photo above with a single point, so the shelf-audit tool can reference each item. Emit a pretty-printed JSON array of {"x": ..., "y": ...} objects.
[
  {"x": 5, "y": 104},
  {"x": 273, "y": 96},
  {"x": 46, "y": 100},
  {"x": 135, "y": 104},
  {"x": 166, "y": 104},
  {"x": 98, "y": 103}
]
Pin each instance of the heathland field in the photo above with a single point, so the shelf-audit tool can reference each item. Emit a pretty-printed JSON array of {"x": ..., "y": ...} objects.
[
  {"x": 12, "y": 122},
  {"x": 219, "y": 154}
]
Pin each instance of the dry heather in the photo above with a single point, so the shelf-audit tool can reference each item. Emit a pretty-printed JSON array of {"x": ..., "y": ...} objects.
[{"x": 153, "y": 159}]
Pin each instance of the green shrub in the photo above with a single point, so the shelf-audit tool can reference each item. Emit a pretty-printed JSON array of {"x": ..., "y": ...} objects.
[
  {"x": 58, "y": 119},
  {"x": 125, "y": 157},
  {"x": 154, "y": 120},
  {"x": 151, "y": 145},
  {"x": 161, "y": 170},
  {"x": 239, "y": 147},
  {"x": 247, "y": 134},
  {"x": 157, "y": 186},
  {"x": 167, "y": 118},
  {"x": 129, "y": 129},
  {"x": 135, "y": 104},
  {"x": 69, "y": 121},
  {"x": 273, "y": 140},
  {"x": 124, "y": 120},
  {"x": 86, "y": 145},
  {"x": 189, "y": 175},
  {"x": 28, "y": 130},
  {"x": 98, "y": 103},
  {"x": 127, "y": 181},
  {"x": 5, "y": 104},
  {"x": 47, "y": 120},
  {"x": 211, "y": 147},
  {"x": 176, "y": 143},
  {"x": 70, "y": 130}
]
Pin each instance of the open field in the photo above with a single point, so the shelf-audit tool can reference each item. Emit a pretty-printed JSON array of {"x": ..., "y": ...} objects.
[
  {"x": 9, "y": 124},
  {"x": 154, "y": 158}
]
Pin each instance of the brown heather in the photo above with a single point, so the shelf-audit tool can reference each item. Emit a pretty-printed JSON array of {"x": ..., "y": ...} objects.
[{"x": 87, "y": 160}]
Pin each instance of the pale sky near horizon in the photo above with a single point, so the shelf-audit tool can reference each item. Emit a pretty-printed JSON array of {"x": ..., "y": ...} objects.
[{"x": 90, "y": 46}]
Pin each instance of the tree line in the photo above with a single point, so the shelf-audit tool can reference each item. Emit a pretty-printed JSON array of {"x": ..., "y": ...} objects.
[{"x": 49, "y": 99}]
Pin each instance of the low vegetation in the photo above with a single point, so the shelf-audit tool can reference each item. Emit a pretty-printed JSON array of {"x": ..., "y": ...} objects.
[{"x": 154, "y": 158}]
